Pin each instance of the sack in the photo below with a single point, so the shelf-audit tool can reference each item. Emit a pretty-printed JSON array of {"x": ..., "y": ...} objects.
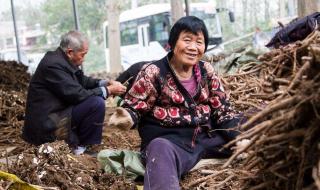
[
  {"x": 296, "y": 30},
  {"x": 121, "y": 162}
]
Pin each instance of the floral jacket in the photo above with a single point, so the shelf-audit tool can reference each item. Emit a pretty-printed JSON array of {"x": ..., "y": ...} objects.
[{"x": 162, "y": 107}]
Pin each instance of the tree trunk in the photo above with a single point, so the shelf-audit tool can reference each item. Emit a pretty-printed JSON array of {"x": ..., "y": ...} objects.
[
  {"x": 221, "y": 3},
  {"x": 113, "y": 11},
  {"x": 176, "y": 10},
  {"x": 306, "y": 7},
  {"x": 266, "y": 10},
  {"x": 251, "y": 14},
  {"x": 292, "y": 4},
  {"x": 282, "y": 8},
  {"x": 244, "y": 12},
  {"x": 256, "y": 12}
]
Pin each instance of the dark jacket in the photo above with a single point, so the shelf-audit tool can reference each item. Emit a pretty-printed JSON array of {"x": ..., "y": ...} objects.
[
  {"x": 163, "y": 108},
  {"x": 55, "y": 88},
  {"x": 296, "y": 30}
]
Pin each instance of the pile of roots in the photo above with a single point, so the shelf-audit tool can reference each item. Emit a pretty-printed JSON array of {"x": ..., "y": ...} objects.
[
  {"x": 14, "y": 81},
  {"x": 53, "y": 166},
  {"x": 282, "y": 133}
]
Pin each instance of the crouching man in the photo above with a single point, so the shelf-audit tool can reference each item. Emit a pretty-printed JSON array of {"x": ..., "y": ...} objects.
[{"x": 63, "y": 103}]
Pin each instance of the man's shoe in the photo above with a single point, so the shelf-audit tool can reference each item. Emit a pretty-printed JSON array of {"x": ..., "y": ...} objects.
[{"x": 79, "y": 150}]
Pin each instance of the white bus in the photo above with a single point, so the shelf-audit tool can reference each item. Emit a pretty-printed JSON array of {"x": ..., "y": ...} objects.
[{"x": 144, "y": 31}]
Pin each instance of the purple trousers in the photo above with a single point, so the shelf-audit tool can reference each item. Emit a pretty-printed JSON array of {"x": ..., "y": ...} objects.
[
  {"x": 88, "y": 117},
  {"x": 166, "y": 162}
]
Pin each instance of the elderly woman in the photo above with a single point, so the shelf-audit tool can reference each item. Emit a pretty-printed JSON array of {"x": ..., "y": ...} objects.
[{"x": 176, "y": 102}]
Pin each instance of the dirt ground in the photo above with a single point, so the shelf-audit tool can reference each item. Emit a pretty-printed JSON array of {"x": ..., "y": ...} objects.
[{"x": 53, "y": 166}]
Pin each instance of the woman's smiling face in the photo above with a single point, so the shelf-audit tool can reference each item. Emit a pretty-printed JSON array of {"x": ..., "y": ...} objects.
[{"x": 189, "y": 48}]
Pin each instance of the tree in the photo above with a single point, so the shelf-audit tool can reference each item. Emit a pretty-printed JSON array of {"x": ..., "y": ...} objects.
[
  {"x": 244, "y": 13},
  {"x": 59, "y": 19},
  {"x": 306, "y": 7},
  {"x": 266, "y": 10},
  {"x": 282, "y": 8},
  {"x": 176, "y": 10},
  {"x": 59, "y": 16},
  {"x": 113, "y": 12},
  {"x": 292, "y": 5}
]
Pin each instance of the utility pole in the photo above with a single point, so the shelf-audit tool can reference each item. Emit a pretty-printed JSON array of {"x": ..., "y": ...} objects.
[
  {"x": 76, "y": 20},
  {"x": 186, "y": 2},
  {"x": 16, "y": 31},
  {"x": 75, "y": 15}
]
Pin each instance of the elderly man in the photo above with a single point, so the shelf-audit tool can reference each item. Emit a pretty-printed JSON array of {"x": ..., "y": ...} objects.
[{"x": 63, "y": 103}]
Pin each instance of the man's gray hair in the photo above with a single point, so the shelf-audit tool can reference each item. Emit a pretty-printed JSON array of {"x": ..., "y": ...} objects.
[{"x": 73, "y": 40}]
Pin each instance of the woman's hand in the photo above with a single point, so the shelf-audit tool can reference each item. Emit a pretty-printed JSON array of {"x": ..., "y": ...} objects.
[{"x": 121, "y": 119}]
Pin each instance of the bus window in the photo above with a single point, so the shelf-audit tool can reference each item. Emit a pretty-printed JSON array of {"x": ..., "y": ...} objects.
[
  {"x": 159, "y": 28},
  {"x": 209, "y": 20},
  {"x": 212, "y": 25},
  {"x": 128, "y": 33}
]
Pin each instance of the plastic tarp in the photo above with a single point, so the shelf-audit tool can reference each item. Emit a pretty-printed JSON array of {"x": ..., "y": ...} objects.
[
  {"x": 17, "y": 183},
  {"x": 122, "y": 162}
]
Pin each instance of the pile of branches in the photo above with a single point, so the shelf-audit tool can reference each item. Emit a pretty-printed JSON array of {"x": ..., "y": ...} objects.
[
  {"x": 280, "y": 96},
  {"x": 53, "y": 166},
  {"x": 283, "y": 130},
  {"x": 14, "y": 81}
]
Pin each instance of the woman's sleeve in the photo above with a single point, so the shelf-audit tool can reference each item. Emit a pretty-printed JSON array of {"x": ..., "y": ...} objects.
[
  {"x": 142, "y": 95},
  {"x": 219, "y": 103}
]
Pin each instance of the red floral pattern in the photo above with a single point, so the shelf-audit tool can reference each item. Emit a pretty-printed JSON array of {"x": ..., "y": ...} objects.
[
  {"x": 206, "y": 109},
  {"x": 215, "y": 102},
  {"x": 152, "y": 70},
  {"x": 171, "y": 83},
  {"x": 140, "y": 87},
  {"x": 204, "y": 95},
  {"x": 159, "y": 113},
  {"x": 174, "y": 112},
  {"x": 188, "y": 118},
  {"x": 177, "y": 97},
  {"x": 215, "y": 84},
  {"x": 140, "y": 105}
]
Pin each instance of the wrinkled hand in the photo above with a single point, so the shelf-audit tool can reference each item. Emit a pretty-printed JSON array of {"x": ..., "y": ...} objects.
[
  {"x": 116, "y": 88},
  {"x": 121, "y": 119}
]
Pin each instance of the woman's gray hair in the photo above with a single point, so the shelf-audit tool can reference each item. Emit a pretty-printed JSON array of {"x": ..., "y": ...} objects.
[{"x": 73, "y": 40}]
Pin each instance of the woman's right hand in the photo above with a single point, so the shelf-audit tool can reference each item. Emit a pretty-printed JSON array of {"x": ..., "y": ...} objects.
[{"x": 121, "y": 119}]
